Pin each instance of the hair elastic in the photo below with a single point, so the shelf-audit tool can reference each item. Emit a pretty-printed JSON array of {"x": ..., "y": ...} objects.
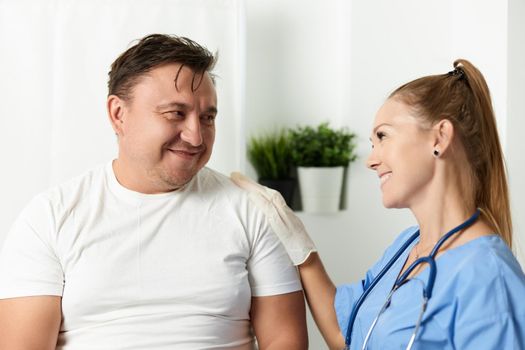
[{"x": 457, "y": 72}]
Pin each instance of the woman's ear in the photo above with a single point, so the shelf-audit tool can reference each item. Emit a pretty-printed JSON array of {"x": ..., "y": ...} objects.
[
  {"x": 115, "y": 107},
  {"x": 444, "y": 134}
]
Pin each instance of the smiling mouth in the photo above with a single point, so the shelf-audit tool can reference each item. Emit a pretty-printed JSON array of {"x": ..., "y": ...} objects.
[
  {"x": 185, "y": 153},
  {"x": 384, "y": 177}
]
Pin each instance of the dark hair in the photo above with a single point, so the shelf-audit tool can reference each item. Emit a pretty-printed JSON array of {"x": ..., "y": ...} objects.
[
  {"x": 462, "y": 96},
  {"x": 155, "y": 50}
]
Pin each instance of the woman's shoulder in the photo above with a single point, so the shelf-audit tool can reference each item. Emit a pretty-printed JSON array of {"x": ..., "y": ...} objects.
[
  {"x": 478, "y": 294},
  {"x": 483, "y": 274},
  {"x": 489, "y": 255}
]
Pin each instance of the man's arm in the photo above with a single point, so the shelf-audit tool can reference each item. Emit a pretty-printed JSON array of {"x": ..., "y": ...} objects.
[
  {"x": 30, "y": 323},
  {"x": 279, "y": 321}
]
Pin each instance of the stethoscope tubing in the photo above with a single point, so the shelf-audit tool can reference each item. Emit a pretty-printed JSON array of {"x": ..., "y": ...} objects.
[
  {"x": 428, "y": 259},
  {"x": 374, "y": 282}
]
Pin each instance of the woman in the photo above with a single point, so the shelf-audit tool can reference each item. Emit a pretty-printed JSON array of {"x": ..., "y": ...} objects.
[{"x": 436, "y": 150}]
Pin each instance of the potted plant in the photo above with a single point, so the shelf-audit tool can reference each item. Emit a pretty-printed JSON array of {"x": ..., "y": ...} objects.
[
  {"x": 270, "y": 156},
  {"x": 321, "y": 155}
]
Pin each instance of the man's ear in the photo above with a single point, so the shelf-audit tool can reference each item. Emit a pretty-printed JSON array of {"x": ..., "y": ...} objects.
[
  {"x": 115, "y": 106},
  {"x": 444, "y": 134}
]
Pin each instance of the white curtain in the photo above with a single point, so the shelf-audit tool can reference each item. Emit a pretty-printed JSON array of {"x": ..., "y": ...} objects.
[{"x": 54, "y": 60}]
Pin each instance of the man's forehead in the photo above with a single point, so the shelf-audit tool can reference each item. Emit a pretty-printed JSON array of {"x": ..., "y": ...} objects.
[
  {"x": 179, "y": 78},
  {"x": 177, "y": 70}
]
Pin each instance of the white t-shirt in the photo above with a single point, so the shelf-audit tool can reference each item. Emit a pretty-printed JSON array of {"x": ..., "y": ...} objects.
[{"x": 136, "y": 271}]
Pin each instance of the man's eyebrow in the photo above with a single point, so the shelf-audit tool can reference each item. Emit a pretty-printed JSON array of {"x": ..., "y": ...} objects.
[
  {"x": 183, "y": 106},
  {"x": 211, "y": 109},
  {"x": 171, "y": 105}
]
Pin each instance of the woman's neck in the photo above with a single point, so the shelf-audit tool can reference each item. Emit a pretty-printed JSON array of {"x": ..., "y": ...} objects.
[{"x": 444, "y": 207}]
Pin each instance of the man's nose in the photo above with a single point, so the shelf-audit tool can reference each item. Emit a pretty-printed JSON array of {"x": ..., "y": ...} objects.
[{"x": 191, "y": 132}]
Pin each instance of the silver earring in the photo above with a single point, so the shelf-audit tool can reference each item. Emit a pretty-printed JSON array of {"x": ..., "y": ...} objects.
[{"x": 436, "y": 153}]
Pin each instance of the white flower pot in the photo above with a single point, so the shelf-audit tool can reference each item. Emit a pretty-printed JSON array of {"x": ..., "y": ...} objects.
[{"x": 320, "y": 188}]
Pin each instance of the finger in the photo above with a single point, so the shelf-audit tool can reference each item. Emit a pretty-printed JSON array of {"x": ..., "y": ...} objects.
[
  {"x": 261, "y": 203},
  {"x": 251, "y": 186},
  {"x": 238, "y": 177},
  {"x": 243, "y": 181},
  {"x": 277, "y": 199},
  {"x": 248, "y": 184}
]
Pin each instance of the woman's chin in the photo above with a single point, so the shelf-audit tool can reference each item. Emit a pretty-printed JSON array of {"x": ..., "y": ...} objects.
[{"x": 390, "y": 203}]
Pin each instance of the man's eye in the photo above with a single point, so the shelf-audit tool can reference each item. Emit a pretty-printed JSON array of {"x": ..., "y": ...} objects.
[
  {"x": 209, "y": 119},
  {"x": 171, "y": 115}
]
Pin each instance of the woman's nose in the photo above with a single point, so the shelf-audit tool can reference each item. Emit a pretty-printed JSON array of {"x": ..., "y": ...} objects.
[{"x": 372, "y": 162}]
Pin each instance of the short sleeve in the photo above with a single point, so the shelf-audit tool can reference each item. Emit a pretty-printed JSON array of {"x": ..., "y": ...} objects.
[
  {"x": 490, "y": 311},
  {"x": 271, "y": 272},
  {"x": 347, "y": 294},
  {"x": 345, "y": 298},
  {"x": 29, "y": 265},
  {"x": 501, "y": 331}
]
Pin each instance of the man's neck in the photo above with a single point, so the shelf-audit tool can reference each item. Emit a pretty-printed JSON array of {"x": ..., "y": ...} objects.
[{"x": 139, "y": 180}]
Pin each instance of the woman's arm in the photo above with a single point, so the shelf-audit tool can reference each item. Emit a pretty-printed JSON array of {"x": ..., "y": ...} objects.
[
  {"x": 320, "y": 295},
  {"x": 319, "y": 289}
]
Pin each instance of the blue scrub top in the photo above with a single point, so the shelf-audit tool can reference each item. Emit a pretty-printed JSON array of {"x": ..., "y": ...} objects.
[{"x": 478, "y": 301}]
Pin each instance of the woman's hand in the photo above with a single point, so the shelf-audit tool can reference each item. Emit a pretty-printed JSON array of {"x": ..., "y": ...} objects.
[
  {"x": 319, "y": 289},
  {"x": 283, "y": 221}
]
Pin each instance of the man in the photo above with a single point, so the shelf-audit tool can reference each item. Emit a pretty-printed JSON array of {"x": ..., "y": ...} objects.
[{"x": 152, "y": 250}]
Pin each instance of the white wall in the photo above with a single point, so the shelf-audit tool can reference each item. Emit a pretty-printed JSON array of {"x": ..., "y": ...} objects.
[
  {"x": 516, "y": 120},
  {"x": 336, "y": 60}
]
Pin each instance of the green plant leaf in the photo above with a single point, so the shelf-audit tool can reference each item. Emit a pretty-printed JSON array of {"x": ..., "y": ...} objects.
[
  {"x": 270, "y": 155},
  {"x": 322, "y": 146}
]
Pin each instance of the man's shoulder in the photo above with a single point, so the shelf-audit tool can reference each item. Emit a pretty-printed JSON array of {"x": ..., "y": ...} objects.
[
  {"x": 57, "y": 202},
  {"x": 74, "y": 187},
  {"x": 225, "y": 193},
  {"x": 207, "y": 173},
  {"x": 212, "y": 180}
]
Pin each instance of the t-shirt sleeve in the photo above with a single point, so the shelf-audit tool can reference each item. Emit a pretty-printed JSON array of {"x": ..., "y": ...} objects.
[
  {"x": 29, "y": 265},
  {"x": 270, "y": 270}
]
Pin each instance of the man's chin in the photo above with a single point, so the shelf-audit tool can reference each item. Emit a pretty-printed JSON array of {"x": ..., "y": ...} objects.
[{"x": 179, "y": 178}]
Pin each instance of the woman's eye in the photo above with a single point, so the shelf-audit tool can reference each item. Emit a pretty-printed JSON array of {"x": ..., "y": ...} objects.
[{"x": 380, "y": 135}]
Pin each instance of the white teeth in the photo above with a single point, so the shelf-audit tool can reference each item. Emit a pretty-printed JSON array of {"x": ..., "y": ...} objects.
[{"x": 385, "y": 177}]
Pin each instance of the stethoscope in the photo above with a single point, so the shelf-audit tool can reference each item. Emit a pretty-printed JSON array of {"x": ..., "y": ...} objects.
[{"x": 427, "y": 291}]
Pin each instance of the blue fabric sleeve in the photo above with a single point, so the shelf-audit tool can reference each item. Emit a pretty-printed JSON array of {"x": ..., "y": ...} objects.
[
  {"x": 347, "y": 294},
  {"x": 502, "y": 331},
  {"x": 492, "y": 313},
  {"x": 345, "y": 299}
]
